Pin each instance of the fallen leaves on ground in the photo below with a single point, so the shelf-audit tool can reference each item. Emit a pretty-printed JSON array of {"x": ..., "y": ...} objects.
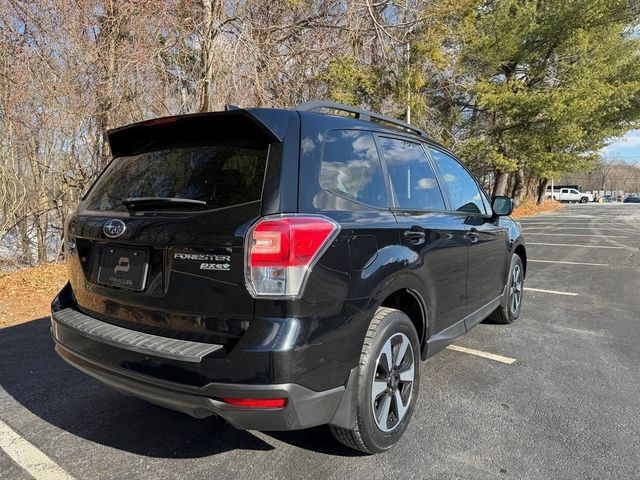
[
  {"x": 26, "y": 294},
  {"x": 530, "y": 207}
]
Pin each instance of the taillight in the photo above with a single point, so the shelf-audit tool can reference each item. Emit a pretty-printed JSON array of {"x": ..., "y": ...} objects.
[{"x": 281, "y": 250}]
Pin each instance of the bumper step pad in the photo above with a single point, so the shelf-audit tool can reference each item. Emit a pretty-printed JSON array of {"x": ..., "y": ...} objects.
[{"x": 146, "y": 343}]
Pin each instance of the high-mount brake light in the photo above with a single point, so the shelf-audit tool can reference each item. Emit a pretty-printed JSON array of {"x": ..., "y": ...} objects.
[
  {"x": 281, "y": 250},
  {"x": 159, "y": 121}
]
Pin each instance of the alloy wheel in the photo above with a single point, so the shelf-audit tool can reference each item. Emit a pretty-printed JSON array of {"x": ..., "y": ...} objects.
[
  {"x": 515, "y": 292},
  {"x": 393, "y": 382}
]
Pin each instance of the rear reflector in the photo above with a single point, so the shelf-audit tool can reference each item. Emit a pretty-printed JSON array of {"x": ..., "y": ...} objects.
[
  {"x": 257, "y": 402},
  {"x": 281, "y": 251}
]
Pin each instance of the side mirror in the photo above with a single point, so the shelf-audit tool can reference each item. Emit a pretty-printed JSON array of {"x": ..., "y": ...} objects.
[{"x": 502, "y": 206}]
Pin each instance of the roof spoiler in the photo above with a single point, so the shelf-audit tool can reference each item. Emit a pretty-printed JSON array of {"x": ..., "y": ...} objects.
[{"x": 235, "y": 124}]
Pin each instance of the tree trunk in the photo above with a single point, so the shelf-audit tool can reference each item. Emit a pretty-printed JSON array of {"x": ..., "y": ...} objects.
[
  {"x": 41, "y": 235},
  {"x": 210, "y": 10},
  {"x": 542, "y": 190},
  {"x": 500, "y": 187},
  {"x": 518, "y": 186},
  {"x": 61, "y": 211},
  {"x": 109, "y": 36},
  {"x": 531, "y": 187},
  {"x": 25, "y": 243}
]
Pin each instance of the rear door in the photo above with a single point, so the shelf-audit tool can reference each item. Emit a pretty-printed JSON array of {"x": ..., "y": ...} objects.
[
  {"x": 341, "y": 177},
  {"x": 575, "y": 195},
  {"x": 486, "y": 239},
  {"x": 159, "y": 239},
  {"x": 438, "y": 268}
]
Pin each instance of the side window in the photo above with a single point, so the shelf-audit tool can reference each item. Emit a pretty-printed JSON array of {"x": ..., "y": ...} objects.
[
  {"x": 351, "y": 167},
  {"x": 574, "y": 191},
  {"x": 413, "y": 182},
  {"x": 462, "y": 188}
]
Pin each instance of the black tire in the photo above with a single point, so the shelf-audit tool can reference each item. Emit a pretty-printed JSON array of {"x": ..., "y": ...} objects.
[
  {"x": 505, "y": 313},
  {"x": 367, "y": 436},
  {"x": 584, "y": 200}
]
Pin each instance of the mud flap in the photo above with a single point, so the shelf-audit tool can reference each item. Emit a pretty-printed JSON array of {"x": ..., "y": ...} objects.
[{"x": 345, "y": 416}]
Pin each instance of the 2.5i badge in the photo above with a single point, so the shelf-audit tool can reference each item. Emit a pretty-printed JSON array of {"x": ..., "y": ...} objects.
[
  {"x": 209, "y": 261},
  {"x": 215, "y": 266}
]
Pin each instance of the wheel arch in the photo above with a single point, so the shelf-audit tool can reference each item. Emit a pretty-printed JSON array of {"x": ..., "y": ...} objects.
[
  {"x": 412, "y": 304},
  {"x": 522, "y": 253}
]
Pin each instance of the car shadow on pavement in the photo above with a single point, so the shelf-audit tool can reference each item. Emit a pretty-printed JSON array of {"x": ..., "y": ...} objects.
[{"x": 33, "y": 374}]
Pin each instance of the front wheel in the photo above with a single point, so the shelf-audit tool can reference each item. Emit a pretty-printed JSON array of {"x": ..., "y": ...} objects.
[
  {"x": 584, "y": 200},
  {"x": 388, "y": 383},
  {"x": 509, "y": 310}
]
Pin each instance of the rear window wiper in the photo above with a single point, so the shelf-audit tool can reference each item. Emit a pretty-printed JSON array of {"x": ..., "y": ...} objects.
[{"x": 135, "y": 203}]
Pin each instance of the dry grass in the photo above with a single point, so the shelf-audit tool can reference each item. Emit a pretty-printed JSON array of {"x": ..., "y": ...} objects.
[
  {"x": 529, "y": 207},
  {"x": 26, "y": 294}
]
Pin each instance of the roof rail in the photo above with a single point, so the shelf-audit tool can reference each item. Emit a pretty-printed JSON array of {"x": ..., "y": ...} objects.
[{"x": 360, "y": 114}]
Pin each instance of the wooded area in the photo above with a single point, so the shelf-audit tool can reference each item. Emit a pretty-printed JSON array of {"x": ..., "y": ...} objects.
[{"x": 522, "y": 90}]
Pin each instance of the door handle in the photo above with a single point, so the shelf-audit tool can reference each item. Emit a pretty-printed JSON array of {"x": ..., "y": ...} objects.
[
  {"x": 473, "y": 234},
  {"x": 416, "y": 235}
]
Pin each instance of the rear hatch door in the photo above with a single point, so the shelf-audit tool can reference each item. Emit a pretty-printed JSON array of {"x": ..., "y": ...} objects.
[{"x": 158, "y": 241}]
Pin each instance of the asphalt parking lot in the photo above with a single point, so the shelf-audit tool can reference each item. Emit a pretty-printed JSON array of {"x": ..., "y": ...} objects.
[{"x": 567, "y": 407}]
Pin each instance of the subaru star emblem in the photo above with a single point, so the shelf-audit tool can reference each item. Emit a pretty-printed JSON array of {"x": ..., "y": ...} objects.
[{"x": 114, "y": 228}]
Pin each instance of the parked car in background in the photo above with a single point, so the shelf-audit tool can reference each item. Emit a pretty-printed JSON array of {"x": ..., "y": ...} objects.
[
  {"x": 569, "y": 195},
  {"x": 283, "y": 269},
  {"x": 632, "y": 199}
]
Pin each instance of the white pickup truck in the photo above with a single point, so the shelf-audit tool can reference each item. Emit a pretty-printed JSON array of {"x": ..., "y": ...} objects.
[{"x": 569, "y": 195}]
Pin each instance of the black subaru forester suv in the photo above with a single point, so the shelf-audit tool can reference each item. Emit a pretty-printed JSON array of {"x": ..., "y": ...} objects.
[{"x": 282, "y": 268}]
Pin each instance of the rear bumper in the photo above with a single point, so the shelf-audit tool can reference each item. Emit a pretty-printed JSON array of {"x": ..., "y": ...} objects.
[
  {"x": 308, "y": 345},
  {"x": 305, "y": 408},
  {"x": 78, "y": 335}
]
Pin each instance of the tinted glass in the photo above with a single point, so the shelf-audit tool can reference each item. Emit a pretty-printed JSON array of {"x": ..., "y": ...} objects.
[
  {"x": 351, "y": 167},
  {"x": 461, "y": 187},
  {"x": 412, "y": 178},
  {"x": 221, "y": 176}
]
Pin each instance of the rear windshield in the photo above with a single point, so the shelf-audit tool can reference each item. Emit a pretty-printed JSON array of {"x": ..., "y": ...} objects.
[{"x": 214, "y": 176}]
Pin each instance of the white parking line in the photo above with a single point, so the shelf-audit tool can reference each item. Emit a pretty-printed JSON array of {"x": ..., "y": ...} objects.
[
  {"x": 569, "y": 263},
  {"x": 555, "y": 222},
  {"x": 571, "y": 245},
  {"x": 36, "y": 463},
  {"x": 576, "y": 218},
  {"x": 579, "y": 228},
  {"x": 480, "y": 353},
  {"x": 577, "y": 235},
  {"x": 555, "y": 292}
]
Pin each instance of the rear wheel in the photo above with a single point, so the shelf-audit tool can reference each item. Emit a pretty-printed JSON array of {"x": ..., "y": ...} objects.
[
  {"x": 509, "y": 310},
  {"x": 388, "y": 383}
]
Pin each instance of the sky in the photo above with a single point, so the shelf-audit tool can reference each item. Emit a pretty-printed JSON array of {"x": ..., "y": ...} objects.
[{"x": 626, "y": 148}]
